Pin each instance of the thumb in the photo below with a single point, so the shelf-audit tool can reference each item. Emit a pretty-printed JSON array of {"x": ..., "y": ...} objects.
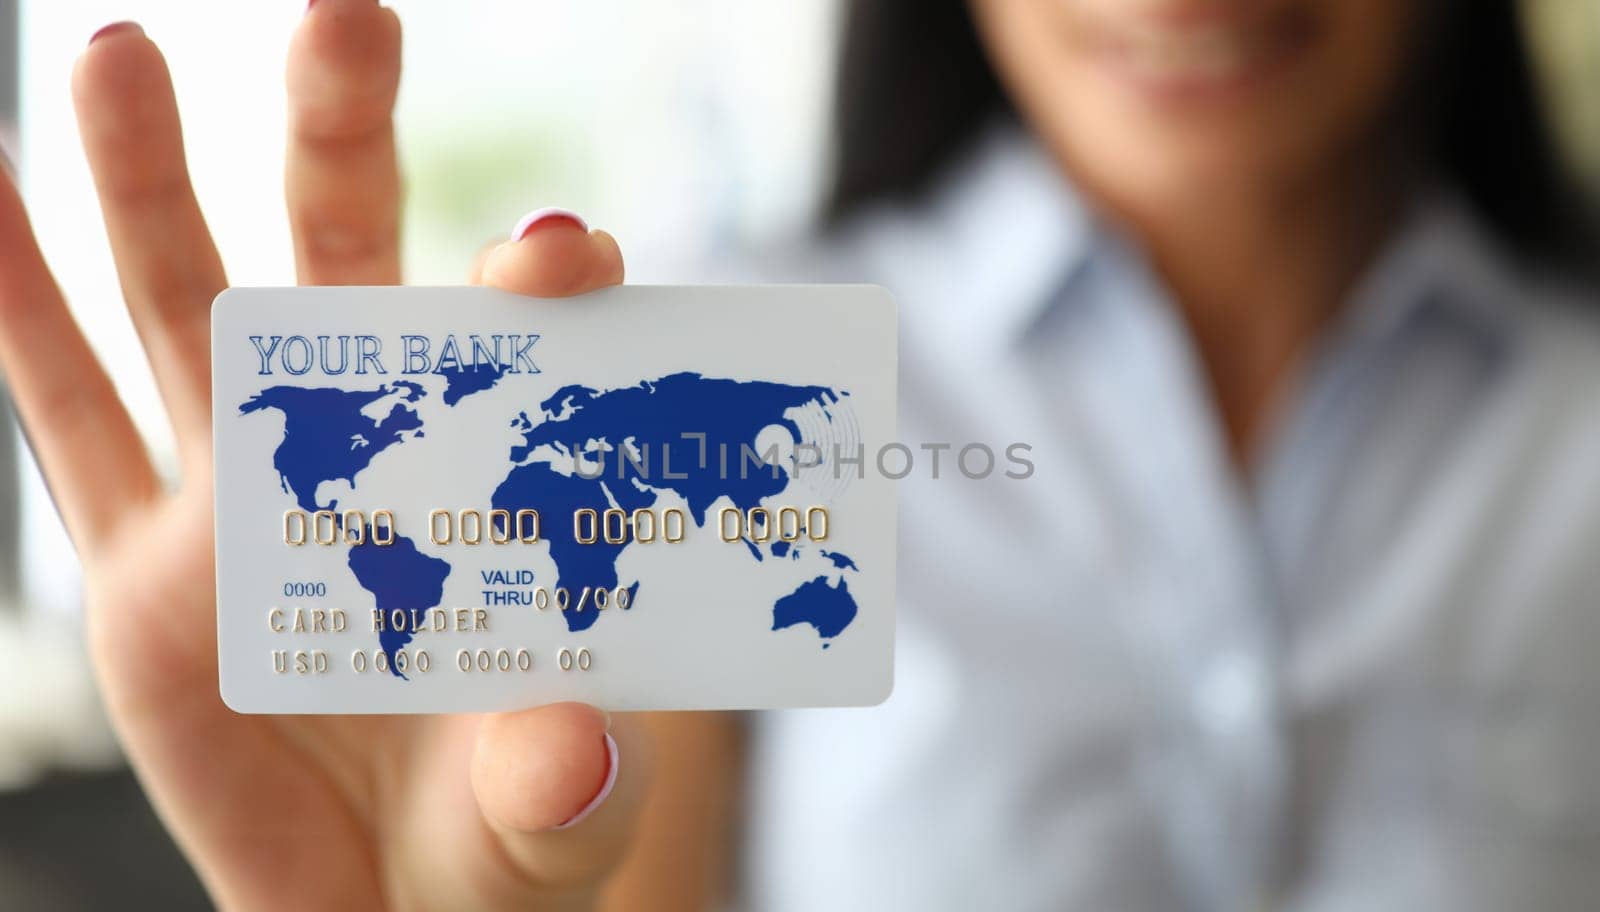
[
  {"x": 551, "y": 254},
  {"x": 561, "y": 786}
]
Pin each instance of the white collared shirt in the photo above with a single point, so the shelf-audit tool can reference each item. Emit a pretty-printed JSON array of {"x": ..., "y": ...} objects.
[{"x": 1369, "y": 677}]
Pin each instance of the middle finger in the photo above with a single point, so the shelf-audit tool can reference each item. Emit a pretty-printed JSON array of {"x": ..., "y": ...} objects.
[{"x": 342, "y": 180}]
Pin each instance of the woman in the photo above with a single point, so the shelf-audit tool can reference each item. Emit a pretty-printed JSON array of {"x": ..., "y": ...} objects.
[{"x": 1292, "y": 610}]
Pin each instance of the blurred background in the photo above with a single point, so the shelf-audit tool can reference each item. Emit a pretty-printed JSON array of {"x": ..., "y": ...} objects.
[{"x": 684, "y": 128}]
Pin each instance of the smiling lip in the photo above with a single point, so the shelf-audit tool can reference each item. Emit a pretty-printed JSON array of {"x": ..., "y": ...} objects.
[{"x": 1181, "y": 56}]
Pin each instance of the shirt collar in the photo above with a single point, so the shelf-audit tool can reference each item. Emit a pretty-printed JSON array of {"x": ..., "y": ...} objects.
[
  {"x": 1004, "y": 240},
  {"x": 1029, "y": 232},
  {"x": 988, "y": 253},
  {"x": 1443, "y": 261}
]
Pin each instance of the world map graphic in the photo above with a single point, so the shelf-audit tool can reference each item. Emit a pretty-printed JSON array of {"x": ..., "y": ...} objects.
[{"x": 332, "y": 434}]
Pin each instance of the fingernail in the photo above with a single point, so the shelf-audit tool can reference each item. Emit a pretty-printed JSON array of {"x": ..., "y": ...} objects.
[
  {"x": 548, "y": 214},
  {"x": 114, "y": 28},
  {"x": 605, "y": 788}
]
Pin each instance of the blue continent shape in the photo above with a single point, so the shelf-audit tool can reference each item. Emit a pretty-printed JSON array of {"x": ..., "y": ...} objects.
[
  {"x": 400, "y": 578},
  {"x": 467, "y": 379},
  {"x": 828, "y": 608},
  {"x": 840, "y": 561},
  {"x": 653, "y": 415},
  {"x": 578, "y": 566},
  {"x": 326, "y": 437}
]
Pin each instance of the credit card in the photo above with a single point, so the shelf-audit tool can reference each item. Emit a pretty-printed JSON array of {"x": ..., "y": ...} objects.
[{"x": 462, "y": 500}]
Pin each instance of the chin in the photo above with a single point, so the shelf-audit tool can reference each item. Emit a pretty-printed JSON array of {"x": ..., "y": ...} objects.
[{"x": 1130, "y": 158}]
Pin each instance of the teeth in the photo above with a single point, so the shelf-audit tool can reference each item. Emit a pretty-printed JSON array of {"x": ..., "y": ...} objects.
[{"x": 1211, "y": 53}]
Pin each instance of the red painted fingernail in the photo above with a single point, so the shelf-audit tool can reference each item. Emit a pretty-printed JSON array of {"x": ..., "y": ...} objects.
[
  {"x": 549, "y": 214},
  {"x": 605, "y": 787},
  {"x": 114, "y": 28}
]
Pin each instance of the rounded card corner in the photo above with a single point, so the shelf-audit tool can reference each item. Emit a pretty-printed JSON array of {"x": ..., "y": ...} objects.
[
  {"x": 230, "y": 701},
  {"x": 882, "y": 696},
  {"x": 883, "y": 293},
  {"x": 222, "y": 298}
]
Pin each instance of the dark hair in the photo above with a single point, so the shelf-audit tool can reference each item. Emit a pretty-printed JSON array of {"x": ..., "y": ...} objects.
[{"x": 914, "y": 89}]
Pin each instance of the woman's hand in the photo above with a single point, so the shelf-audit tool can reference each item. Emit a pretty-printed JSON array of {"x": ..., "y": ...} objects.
[{"x": 440, "y": 812}]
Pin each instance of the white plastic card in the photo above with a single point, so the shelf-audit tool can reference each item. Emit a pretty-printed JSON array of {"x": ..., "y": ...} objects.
[{"x": 461, "y": 500}]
